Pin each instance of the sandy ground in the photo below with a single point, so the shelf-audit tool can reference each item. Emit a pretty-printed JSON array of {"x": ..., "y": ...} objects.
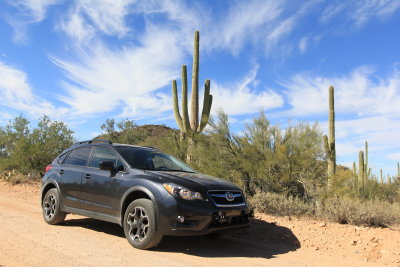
[{"x": 26, "y": 240}]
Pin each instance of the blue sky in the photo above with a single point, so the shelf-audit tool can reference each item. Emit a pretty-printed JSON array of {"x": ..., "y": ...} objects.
[{"x": 84, "y": 61}]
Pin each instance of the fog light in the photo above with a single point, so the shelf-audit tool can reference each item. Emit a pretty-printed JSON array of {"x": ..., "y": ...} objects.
[{"x": 181, "y": 218}]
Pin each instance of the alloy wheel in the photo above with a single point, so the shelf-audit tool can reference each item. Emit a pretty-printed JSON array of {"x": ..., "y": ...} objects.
[{"x": 138, "y": 222}]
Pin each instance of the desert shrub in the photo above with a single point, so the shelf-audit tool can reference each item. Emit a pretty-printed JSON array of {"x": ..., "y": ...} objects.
[
  {"x": 28, "y": 150},
  {"x": 281, "y": 205},
  {"x": 360, "y": 212}
]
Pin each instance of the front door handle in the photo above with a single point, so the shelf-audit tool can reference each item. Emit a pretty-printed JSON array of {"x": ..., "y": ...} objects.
[
  {"x": 61, "y": 172},
  {"x": 88, "y": 176}
]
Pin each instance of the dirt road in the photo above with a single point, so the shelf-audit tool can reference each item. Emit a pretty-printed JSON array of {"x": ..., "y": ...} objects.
[{"x": 26, "y": 240}]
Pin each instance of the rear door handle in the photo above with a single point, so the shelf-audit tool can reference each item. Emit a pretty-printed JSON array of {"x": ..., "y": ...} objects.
[
  {"x": 61, "y": 172},
  {"x": 88, "y": 176}
]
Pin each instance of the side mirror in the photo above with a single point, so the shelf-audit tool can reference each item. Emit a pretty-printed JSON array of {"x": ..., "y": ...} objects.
[{"x": 108, "y": 166}]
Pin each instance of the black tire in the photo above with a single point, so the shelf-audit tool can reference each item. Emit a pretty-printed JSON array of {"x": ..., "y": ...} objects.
[
  {"x": 140, "y": 225},
  {"x": 51, "y": 208}
]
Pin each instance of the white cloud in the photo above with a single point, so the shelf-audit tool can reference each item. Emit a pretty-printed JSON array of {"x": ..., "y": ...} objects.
[
  {"x": 17, "y": 94},
  {"x": 105, "y": 16},
  {"x": 29, "y": 11},
  {"x": 359, "y": 92},
  {"x": 303, "y": 44},
  {"x": 243, "y": 98},
  {"x": 127, "y": 79},
  {"x": 34, "y": 9},
  {"x": 358, "y": 13}
]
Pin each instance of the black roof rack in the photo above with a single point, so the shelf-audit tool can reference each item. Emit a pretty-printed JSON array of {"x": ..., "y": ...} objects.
[{"x": 94, "y": 141}]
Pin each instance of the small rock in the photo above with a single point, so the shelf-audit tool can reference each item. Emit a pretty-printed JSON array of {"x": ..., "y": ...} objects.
[
  {"x": 323, "y": 224},
  {"x": 316, "y": 248},
  {"x": 357, "y": 228},
  {"x": 354, "y": 242}
]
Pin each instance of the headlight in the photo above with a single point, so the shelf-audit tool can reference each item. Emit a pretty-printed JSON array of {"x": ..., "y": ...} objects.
[{"x": 182, "y": 192}]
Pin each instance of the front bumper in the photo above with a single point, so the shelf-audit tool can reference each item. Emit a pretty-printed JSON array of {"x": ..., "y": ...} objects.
[{"x": 201, "y": 217}]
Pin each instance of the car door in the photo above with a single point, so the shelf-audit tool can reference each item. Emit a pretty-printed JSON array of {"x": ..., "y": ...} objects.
[
  {"x": 71, "y": 172},
  {"x": 101, "y": 189}
]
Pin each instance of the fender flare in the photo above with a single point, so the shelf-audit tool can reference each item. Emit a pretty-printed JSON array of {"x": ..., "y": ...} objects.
[{"x": 140, "y": 189}]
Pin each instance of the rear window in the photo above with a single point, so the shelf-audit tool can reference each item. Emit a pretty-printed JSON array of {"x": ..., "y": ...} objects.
[{"x": 78, "y": 157}]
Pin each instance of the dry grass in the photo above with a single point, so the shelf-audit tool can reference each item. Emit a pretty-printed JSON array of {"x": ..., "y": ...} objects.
[
  {"x": 276, "y": 204},
  {"x": 376, "y": 213},
  {"x": 367, "y": 212}
]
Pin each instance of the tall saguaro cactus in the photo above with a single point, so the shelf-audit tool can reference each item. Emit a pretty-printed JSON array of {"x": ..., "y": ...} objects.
[
  {"x": 190, "y": 126},
  {"x": 361, "y": 171},
  {"x": 367, "y": 171},
  {"x": 398, "y": 169},
  {"x": 330, "y": 142}
]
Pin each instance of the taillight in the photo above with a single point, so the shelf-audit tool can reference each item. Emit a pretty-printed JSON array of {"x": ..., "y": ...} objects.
[{"x": 48, "y": 167}]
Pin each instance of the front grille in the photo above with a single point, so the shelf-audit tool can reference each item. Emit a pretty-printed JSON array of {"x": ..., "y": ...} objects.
[{"x": 226, "y": 198}]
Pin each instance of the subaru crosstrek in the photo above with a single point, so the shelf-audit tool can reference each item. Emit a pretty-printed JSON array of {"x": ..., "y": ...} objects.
[{"x": 149, "y": 193}]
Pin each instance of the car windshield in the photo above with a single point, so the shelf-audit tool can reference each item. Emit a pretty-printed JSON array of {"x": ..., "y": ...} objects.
[{"x": 145, "y": 159}]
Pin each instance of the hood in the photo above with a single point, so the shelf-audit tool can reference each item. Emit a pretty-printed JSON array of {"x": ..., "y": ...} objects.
[{"x": 195, "y": 181}]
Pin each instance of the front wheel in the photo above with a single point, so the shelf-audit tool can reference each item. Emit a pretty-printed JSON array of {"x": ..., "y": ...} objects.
[
  {"x": 51, "y": 207},
  {"x": 140, "y": 225}
]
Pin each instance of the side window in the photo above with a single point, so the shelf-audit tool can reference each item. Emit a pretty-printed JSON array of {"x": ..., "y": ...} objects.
[
  {"x": 101, "y": 154},
  {"x": 78, "y": 157},
  {"x": 61, "y": 158}
]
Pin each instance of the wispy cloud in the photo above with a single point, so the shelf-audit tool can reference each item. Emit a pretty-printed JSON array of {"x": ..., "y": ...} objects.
[
  {"x": 29, "y": 12},
  {"x": 359, "y": 92},
  {"x": 123, "y": 79},
  {"x": 244, "y": 96},
  {"x": 107, "y": 17},
  {"x": 17, "y": 94},
  {"x": 358, "y": 13},
  {"x": 303, "y": 44}
]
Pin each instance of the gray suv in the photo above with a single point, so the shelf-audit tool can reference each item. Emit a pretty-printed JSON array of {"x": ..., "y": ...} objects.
[{"x": 149, "y": 193}]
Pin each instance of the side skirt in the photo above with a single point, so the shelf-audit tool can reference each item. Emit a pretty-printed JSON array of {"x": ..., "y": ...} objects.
[{"x": 91, "y": 214}]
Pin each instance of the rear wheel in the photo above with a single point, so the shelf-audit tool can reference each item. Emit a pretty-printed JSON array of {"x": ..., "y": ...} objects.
[
  {"x": 140, "y": 225},
  {"x": 51, "y": 208}
]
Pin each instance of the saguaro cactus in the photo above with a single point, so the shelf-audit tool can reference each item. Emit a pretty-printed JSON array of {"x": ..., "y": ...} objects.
[
  {"x": 190, "y": 127},
  {"x": 367, "y": 171},
  {"x": 361, "y": 171},
  {"x": 381, "y": 177},
  {"x": 330, "y": 142},
  {"x": 398, "y": 169}
]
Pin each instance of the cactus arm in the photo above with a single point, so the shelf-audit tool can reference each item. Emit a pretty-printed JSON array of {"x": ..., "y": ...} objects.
[
  {"x": 185, "y": 113},
  {"x": 209, "y": 106},
  {"x": 177, "y": 114},
  {"x": 206, "y": 104},
  {"x": 326, "y": 146},
  {"x": 194, "y": 116}
]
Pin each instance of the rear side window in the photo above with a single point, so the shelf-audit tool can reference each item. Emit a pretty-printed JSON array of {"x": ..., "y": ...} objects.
[
  {"x": 101, "y": 154},
  {"x": 78, "y": 157},
  {"x": 61, "y": 158}
]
